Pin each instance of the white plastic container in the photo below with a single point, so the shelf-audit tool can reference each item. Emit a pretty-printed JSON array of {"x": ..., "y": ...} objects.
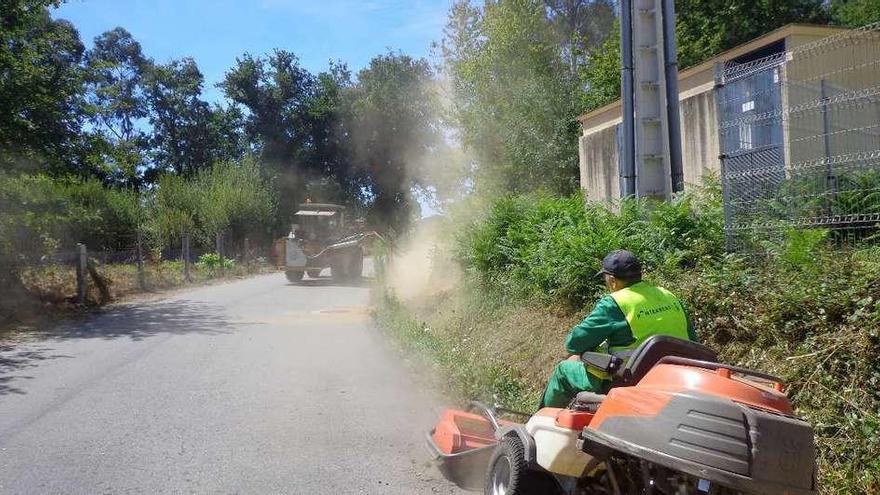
[{"x": 557, "y": 450}]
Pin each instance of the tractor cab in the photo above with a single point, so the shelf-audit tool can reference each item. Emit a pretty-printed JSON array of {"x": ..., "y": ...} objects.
[{"x": 318, "y": 222}]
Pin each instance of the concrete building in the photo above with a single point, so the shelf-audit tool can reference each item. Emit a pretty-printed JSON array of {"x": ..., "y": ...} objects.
[{"x": 599, "y": 143}]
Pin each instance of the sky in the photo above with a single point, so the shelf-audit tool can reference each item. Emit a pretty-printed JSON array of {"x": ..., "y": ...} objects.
[{"x": 215, "y": 32}]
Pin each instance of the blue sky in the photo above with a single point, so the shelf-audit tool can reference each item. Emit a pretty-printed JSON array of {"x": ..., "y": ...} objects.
[{"x": 214, "y": 32}]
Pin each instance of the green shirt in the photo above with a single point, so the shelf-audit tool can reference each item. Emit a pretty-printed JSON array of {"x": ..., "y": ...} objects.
[{"x": 606, "y": 323}]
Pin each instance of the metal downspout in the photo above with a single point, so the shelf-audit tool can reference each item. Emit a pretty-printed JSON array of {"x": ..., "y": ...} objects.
[
  {"x": 673, "y": 117},
  {"x": 628, "y": 173}
]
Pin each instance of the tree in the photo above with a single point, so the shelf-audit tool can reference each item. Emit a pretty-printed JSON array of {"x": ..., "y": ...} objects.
[
  {"x": 515, "y": 98},
  {"x": 278, "y": 95},
  {"x": 233, "y": 198},
  {"x": 338, "y": 181},
  {"x": 855, "y": 13},
  {"x": 40, "y": 89},
  {"x": 601, "y": 74},
  {"x": 187, "y": 133},
  {"x": 708, "y": 27},
  {"x": 393, "y": 131},
  {"x": 580, "y": 25},
  {"x": 117, "y": 102}
]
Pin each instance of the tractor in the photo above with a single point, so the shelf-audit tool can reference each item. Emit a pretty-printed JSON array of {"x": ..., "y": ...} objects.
[{"x": 320, "y": 238}]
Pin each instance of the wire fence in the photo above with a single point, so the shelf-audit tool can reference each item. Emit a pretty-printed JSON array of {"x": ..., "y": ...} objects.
[
  {"x": 83, "y": 275},
  {"x": 800, "y": 140}
]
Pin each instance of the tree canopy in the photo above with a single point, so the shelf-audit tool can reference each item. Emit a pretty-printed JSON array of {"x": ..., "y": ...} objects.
[{"x": 496, "y": 115}]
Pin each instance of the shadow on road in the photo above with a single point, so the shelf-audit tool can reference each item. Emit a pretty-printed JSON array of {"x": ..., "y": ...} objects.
[
  {"x": 135, "y": 322},
  {"x": 14, "y": 359},
  {"x": 140, "y": 321}
]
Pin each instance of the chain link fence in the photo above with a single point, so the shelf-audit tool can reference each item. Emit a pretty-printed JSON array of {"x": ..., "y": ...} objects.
[{"x": 800, "y": 139}]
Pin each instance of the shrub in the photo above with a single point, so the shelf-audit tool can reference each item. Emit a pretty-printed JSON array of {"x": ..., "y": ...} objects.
[
  {"x": 551, "y": 247},
  {"x": 212, "y": 263},
  {"x": 40, "y": 214}
]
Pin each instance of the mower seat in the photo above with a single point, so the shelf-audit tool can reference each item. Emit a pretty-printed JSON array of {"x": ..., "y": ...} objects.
[{"x": 652, "y": 350}]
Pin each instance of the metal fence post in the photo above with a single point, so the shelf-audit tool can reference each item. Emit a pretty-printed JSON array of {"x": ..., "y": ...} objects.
[
  {"x": 140, "y": 260},
  {"x": 830, "y": 179},
  {"x": 81, "y": 267}
]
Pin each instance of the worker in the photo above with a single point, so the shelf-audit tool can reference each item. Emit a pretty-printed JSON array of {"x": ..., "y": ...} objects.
[{"x": 633, "y": 311}]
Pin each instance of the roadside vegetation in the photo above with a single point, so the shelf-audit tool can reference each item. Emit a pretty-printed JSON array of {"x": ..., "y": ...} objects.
[
  {"x": 55, "y": 285},
  {"x": 802, "y": 304},
  {"x": 102, "y": 145},
  {"x": 804, "y": 308}
]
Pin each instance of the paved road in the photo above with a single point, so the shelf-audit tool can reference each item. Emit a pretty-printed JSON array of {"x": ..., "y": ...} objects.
[{"x": 256, "y": 386}]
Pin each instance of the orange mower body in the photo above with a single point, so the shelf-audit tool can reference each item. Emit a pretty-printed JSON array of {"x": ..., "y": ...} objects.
[{"x": 675, "y": 421}]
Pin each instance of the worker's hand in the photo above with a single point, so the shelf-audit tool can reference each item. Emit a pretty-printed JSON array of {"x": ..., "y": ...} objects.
[{"x": 574, "y": 357}]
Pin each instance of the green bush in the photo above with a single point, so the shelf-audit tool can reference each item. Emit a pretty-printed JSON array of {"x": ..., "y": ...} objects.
[
  {"x": 212, "y": 263},
  {"x": 231, "y": 198},
  {"x": 40, "y": 215},
  {"x": 551, "y": 247}
]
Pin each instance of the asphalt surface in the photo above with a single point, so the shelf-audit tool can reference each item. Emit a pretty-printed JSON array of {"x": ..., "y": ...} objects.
[{"x": 254, "y": 386}]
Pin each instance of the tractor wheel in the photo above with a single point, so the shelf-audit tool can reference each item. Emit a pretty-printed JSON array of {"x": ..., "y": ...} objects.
[
  {"x": 294, "y": 276},
  {"x": 338, "y": 269},
  {"x": 509, "y": 473},
  {"x": 314, "y": 273},
  {"x": 356, "y": 265}
]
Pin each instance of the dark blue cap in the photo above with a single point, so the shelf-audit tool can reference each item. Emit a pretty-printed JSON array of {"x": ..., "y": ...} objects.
[{"x": 621, "y": 264}]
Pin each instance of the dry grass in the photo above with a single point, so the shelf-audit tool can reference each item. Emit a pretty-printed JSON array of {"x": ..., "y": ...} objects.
[{"x": 52, "y": 288}]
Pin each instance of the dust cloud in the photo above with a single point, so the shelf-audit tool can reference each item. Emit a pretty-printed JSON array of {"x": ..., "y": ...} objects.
[{"x": 420, "y": 266}]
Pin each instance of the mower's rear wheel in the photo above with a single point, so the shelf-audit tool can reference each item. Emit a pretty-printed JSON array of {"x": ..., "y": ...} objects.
[
  {"x": 314, "y": 273},
  {"x": 509, "y": 473},
  {"x": 294, "y": 276}
]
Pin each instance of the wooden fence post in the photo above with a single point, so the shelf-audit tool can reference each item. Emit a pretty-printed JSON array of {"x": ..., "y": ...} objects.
[
  {"x": 219, "y": 243},
  {"x": 247, "y": 257},
  {"x": 184, "y": 248},
  {"x": 140, "y": 260},
  {"x": 81, "y": 267}
]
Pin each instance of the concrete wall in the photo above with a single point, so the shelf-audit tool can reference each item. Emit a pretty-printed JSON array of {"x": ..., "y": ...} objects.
[
  {"x": 699, "y": 138},
  {"x": 599, "y": 158}
]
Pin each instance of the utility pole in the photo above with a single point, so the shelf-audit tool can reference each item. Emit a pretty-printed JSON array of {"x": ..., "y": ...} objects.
[{"x": 652, "y": 164}]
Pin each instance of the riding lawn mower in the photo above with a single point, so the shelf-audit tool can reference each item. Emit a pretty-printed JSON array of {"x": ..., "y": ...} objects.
[{"x": 675, "y": 421}]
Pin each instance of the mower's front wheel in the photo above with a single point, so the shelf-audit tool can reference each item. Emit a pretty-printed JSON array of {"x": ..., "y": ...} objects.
[{"x": 509, "y": 472}]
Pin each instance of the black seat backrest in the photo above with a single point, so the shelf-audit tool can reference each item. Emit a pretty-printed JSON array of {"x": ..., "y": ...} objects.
[{"x": 652, "y": 350}]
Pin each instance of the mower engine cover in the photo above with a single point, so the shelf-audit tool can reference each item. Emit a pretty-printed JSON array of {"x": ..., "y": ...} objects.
[{"x": 710, "y": 425}]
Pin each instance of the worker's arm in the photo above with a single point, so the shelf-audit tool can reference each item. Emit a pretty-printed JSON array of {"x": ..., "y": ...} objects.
[{"x": 605, "y": 320}]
